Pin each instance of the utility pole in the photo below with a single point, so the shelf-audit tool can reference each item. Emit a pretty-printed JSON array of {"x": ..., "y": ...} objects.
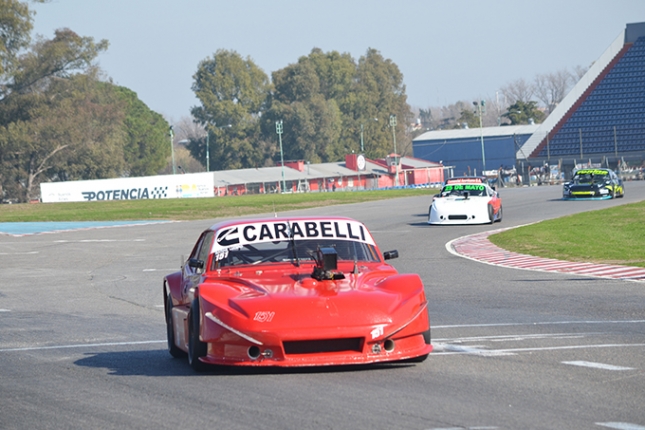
[
  {"x": 278, "y": 129},
  {"x": 396, "y": 157},
  {"x": 481, "y": 109},
  {"x": 172, "y": 151}
]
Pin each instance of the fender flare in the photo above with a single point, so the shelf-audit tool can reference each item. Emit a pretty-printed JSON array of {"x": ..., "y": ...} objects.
[{"x": 172, "y": 286}]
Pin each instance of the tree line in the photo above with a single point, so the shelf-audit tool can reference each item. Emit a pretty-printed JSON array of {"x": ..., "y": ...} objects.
[
  {"x": 62, "y": 119},
  {"x": 317, "y": 109},
  {"x": 518, "y": 102}
]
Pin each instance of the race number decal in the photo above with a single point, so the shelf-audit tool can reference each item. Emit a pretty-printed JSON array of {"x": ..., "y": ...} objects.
[{"x": 263, "y": 316}]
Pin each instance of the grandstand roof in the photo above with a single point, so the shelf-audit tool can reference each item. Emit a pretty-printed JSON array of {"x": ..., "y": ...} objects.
[{"x": 462, "y": 133}]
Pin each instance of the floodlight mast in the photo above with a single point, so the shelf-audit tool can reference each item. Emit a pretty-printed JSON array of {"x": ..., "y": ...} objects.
[
  {"x": 278, "y": 129},
  {"x": 481, "y": 108}
]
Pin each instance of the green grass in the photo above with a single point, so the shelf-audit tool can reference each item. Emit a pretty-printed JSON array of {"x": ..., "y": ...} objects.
[
  {"x": 610, "y": 236},
  {"x": 191, "y": 209}
]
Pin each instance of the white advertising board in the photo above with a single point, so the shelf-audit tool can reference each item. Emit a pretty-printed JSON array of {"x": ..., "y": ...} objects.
[{"x": 147, "y": 187}]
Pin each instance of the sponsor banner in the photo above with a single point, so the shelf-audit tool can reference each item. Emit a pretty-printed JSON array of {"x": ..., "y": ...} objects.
[
  {"x": 465, "y": 180},
  {"x": 271, "y": 231},
  {"x": 147, "y": 187},
  {"x": 465, "y": 187},
  {"x": 592, "y": 172}
]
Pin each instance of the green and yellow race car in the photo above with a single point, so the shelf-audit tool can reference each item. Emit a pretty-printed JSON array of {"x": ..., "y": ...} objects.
[{"x": 593, "y": 184}]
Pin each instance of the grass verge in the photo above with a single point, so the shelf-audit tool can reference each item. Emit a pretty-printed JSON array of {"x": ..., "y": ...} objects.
[
  {"x": 610, "y": 236},
  {"x": 192, "y": 209}
]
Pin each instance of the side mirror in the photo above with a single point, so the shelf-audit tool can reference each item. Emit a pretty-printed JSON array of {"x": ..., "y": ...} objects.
[
  {"x": 195, "y": 263},
  {"x": 388, "y": 255}
]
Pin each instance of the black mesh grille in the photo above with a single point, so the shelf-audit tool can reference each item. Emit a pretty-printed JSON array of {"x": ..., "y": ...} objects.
[
  {"x": 324, "y": 345},
  {"x": 457, "y": 216}
]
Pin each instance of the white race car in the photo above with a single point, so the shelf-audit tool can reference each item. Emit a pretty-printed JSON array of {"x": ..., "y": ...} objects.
[{"x": 465, "y": 200}]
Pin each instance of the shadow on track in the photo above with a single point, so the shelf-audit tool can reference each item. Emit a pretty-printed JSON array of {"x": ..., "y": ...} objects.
[{"x": 158, "y": 363}]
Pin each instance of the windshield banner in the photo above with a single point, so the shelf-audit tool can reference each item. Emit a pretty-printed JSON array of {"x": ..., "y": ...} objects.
[{"x": 245, "y": 234}]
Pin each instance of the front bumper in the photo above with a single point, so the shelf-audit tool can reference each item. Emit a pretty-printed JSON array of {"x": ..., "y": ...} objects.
[
  {"x": 459, "y": 214},
  {"x": 311, "y": 347}
]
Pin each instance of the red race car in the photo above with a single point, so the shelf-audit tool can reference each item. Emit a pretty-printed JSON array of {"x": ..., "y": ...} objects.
[{"x": 304, "y": 291}]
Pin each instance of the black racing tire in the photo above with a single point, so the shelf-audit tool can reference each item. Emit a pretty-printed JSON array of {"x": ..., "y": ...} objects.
[
  {"x": 613, "y": 192},
  {"x": 429, "y": 214},
  {"x": 196, "y": 348},
  {"x": 170, "y": 332},
  {"x": 499, "y": 217},
  {"x": 491, "y": 214}
]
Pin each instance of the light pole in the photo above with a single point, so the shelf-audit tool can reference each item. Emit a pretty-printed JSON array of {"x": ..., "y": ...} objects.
[
  {"x": 481, "y": 108},
  {"x": 396, "y": 157},
  {"x": 393, "y": 125},
  {"x": 172, "y": 151},
  {"x": 362, "y": 129},
  {"x": 278, "y": 129},
  {"x": 208, "y": 147}
]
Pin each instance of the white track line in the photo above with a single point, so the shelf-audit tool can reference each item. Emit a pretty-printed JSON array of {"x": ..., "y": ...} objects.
[{"x": 596, "y": 365}]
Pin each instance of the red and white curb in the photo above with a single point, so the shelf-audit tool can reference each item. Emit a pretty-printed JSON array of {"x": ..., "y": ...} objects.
[{"x": 477, "y": 247}]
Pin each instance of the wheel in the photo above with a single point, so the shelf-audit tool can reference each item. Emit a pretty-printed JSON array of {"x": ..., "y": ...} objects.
[
  {"x": 196, "y": 348},
  {"x": 429, "y": 214},
  {"x": 613, "y": 193},
  {"x": 491, "y": 214},
  {"x": 170, "y": 332},
  {"x": 499, "y": 215}
]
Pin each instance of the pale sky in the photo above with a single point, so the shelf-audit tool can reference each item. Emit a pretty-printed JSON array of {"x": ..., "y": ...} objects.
[{"x": 448, "y": 50}]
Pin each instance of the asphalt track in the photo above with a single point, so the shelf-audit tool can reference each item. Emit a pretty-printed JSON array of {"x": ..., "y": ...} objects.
[{"x": 82, "y": 337}]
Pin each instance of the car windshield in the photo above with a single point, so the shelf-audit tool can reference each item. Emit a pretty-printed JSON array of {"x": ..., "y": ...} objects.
[
  {"x": 590, "y": 177},
  {"x": 460, "y": 189},
  {"x": 296, "y": 251}
]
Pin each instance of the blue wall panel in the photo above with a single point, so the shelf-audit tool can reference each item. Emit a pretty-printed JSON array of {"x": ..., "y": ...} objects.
[{"x": 466, "y": 153}]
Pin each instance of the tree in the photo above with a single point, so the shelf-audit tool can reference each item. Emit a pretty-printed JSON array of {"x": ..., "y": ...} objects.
[
  {"x": 378, "y": 93},
  {"x": 36, "y": 105},
  {"x": 468, "y": 117},
  {"x": 426, "y": 118},
  {"x": 232, "y": 90},
  {"x": 551, "y": 88},
  {"x": 306, "y": 99},
  {"x": 146, "y": 148},
  {"x": 67, "y": 53},
  {"x": 15, "y": 34},
  {"x": 522, "y": 113},
  {"x": 579, "y": 72},
  {"x": 74, "y": 132},
  {"x": 518, "y": 91},
  {"x": 311, "y": 129}
]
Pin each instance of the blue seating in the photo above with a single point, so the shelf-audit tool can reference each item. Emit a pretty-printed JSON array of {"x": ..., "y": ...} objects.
[{"x": 615, "y": 108}]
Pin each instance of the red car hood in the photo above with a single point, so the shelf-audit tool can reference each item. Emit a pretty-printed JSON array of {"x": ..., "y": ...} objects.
[{"x": 275, "y": 301}]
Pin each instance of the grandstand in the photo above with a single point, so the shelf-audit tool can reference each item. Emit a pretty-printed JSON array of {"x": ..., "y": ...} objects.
[{"x": 602, "y": 119}]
